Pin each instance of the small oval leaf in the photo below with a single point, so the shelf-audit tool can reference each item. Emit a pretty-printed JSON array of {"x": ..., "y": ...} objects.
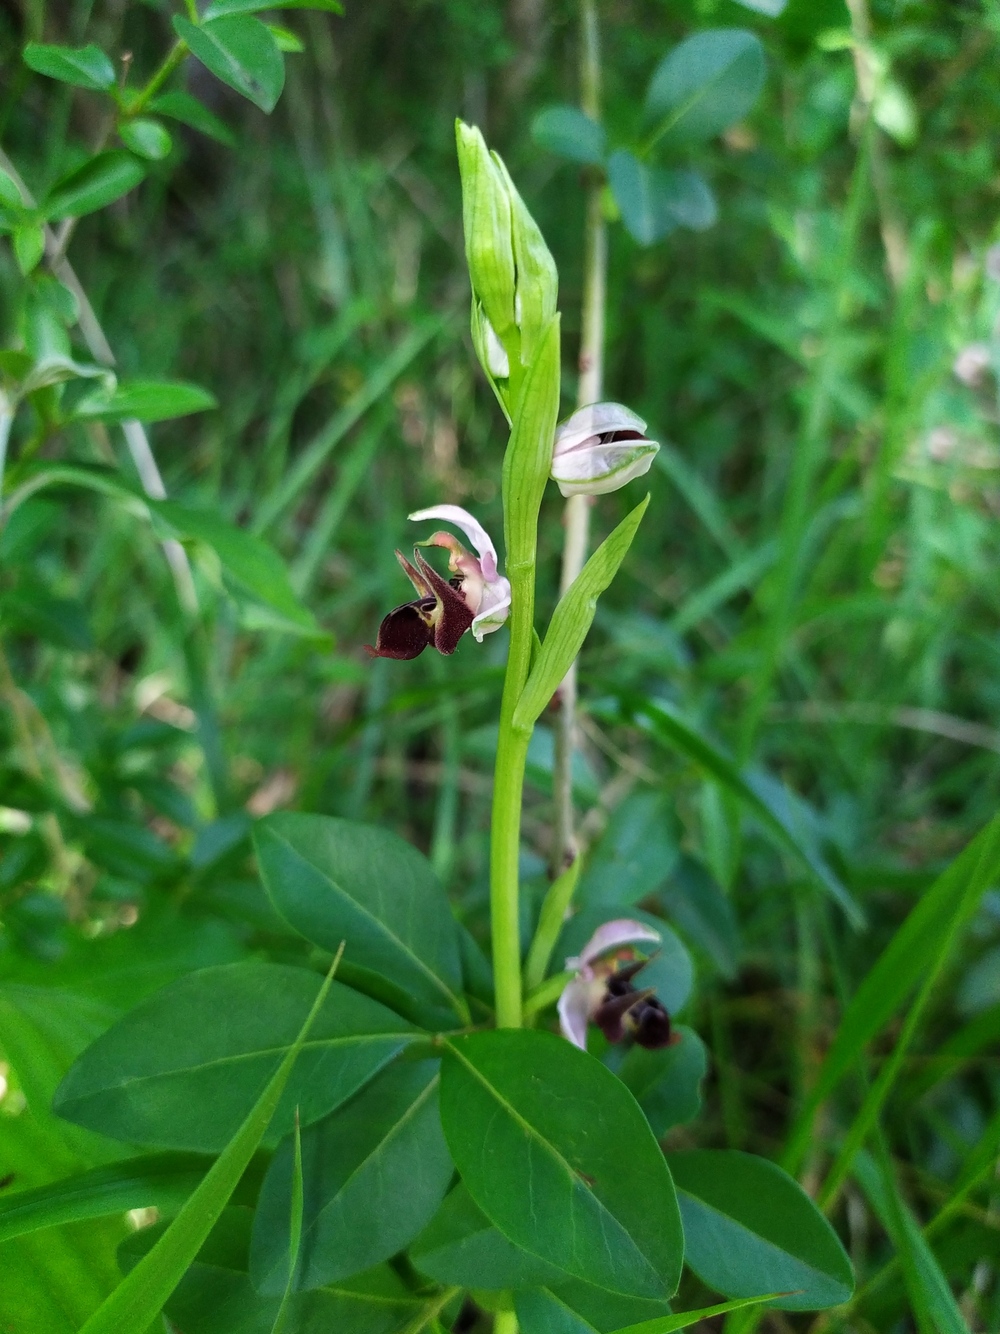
[
  {"x": 570, "y": 133},
  {"x": 241, "y": 52},
  {"x": 83, "y": 66}
]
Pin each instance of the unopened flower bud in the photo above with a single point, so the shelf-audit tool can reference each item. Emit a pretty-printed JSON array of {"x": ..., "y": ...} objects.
[
  {"x": 486, "y": 216},
  {"x": 537, "y": 279},
  {"x": 599, "y": 449}
]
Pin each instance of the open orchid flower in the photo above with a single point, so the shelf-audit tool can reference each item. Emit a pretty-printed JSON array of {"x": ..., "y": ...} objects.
[
  {"x": 599, "y": 449},
  {"x": 602, "y": 992},
  {"x": 476, "y": 597},
  {"x": 486, "y": 592}
]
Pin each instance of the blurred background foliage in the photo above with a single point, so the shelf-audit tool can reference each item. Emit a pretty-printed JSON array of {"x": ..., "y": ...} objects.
[{"x": 814, "y": 592}]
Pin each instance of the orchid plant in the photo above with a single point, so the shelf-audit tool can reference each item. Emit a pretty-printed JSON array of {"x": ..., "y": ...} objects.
[{"x": 427, "y": 1140}]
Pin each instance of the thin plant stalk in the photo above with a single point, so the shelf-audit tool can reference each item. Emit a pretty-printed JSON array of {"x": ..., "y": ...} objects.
[
  {"x": 508, "y": 789},
  {"x": 577, "y": 512}
]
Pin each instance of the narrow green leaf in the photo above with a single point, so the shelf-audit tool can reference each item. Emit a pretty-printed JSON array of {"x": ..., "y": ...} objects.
[
  {"x": 572, "y": 619},
  {"x": 252, "y": 564},
  {"x": 83, "y": 66},
  {"x": 910, "y": 954},
  {"x": 141, "y": 1295},
  {"x": 930, "y": 1291},
  {"x": 10, "y": 195},
  {"x": 780, "y": 816},
  {"x": 294, "y": 1228},
  {"x": 223, "y": 8},
  {"x": 570, "y": 133},
  {"x": 147, "y": 401},
  {"x": 575, "y": 1307},
  {"x": 555, "y": 1151},
  {"x": 163, "y": 1180},
  {"x": 181, "y": 106},
  {"x": 685, "y": 1319},
  {"x": 241, "y": 52},
  {"x": 93, "y": 186}
]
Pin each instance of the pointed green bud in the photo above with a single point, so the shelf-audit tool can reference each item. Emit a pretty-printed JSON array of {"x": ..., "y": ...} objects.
[
  {"x": 537, "y": 279},
  {"x": 486, "y": 215}
]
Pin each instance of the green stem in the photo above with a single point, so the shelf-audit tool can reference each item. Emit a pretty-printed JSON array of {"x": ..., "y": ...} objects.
[
  {"x": 172, "y": 61},
  {"x": 508, "y": 788}
]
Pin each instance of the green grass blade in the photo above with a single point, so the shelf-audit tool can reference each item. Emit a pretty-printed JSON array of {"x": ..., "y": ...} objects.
[
  {"x": 163, "y": 1180},
  {"x": 931, "y": 1297},
  {"x": 755, "y": 791},
  {"x": 312, "y": 458},
  {"x": 685, "y": 1319},
  {"x": 295, "y": 1229},
  {"x": 921, "y": 944},
  {"x": 140, "y": 1296}
]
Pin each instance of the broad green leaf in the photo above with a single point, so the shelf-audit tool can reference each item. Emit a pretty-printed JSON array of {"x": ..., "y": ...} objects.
[
  {"x": 748, "y": 1226},
  {"x": 693, "y": 900},
  {"x": 580, "y": 1308},
  {"x": 373, "y": 1173},
  {"x": 215, "y": 1296},
  {"x": 556, "y": 1153},
  {"x": 653, "y": 201},
  {"x": 636, "y": 853},
  {"x": 146, "y": 137},
  {"x": 633, "y": 186},
  {"x": 460, "y": 1247},
  {"x": 146, "y": 400},
  {"x": 241, "y": 52},
  {"x": 222, "y": 8},
  {"x": 667, "y": 1083},
  {"x": 705, "y": 84},
  {"x": 669, "y": 970},
  {"x": 142, "y": 1293},
  {"x": 336, "y": 880},
  {"x": 170, "y": 1074},
  {"x": 181, "y": 106},
  {"x": 84, "y": 66},
  {"x": 570, "y": 133},
  {"x": 253, "y": 566},
  {"x": 687, "y": 198},
  {"x": 785, "y": 819},
  {"x": 914, "y": 949},
  {"x": 93, "y": 186},
  {"x": 162, "y": 1180},
  {"x": 572, "y": 619},
  {"x": 528, "y": 457}
]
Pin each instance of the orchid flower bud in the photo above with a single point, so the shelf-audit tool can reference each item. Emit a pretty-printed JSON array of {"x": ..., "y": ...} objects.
[
  {"x": 486, "y": 216},
  {"x": 599, "y": 449},
  {"x": 537, "y": 278}
]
